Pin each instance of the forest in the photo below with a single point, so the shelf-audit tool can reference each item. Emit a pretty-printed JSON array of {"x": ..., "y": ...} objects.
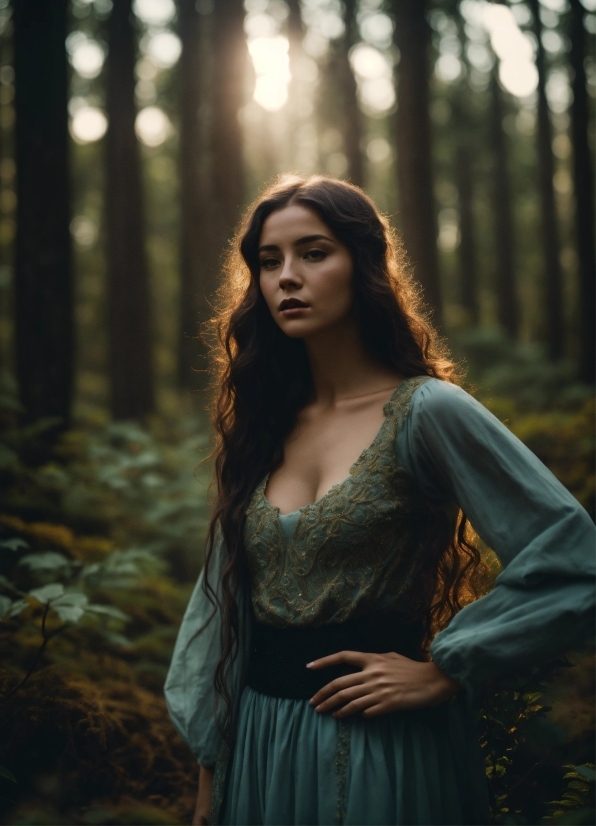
[{"x": 133, "y": 134}]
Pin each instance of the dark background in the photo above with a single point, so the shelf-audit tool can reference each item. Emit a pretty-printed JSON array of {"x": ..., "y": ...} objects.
[{"x": 132, "y": 135}]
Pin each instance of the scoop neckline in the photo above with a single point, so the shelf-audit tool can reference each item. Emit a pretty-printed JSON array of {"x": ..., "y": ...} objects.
[{"x": 353, "y": 466}]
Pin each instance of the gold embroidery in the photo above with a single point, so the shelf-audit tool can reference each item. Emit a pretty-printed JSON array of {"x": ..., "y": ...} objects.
[{"x": 355, "y": 549}]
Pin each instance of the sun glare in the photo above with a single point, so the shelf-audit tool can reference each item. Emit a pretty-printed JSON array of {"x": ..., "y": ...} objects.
[
  {"x": 517, "y": 72},
  {"x": 272, "y": 67}
]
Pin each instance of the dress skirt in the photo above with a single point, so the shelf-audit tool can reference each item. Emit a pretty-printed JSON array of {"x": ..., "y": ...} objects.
[{"x": 291, "y": 765}]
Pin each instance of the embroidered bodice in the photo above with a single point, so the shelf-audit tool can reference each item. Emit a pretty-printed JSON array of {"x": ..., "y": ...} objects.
[{"x": 357, "y": 548}]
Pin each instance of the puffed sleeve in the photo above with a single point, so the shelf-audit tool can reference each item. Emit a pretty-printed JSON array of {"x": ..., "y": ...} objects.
[
  {"x": 189, "y": 690},
  {"x": 543, "y": 601}
]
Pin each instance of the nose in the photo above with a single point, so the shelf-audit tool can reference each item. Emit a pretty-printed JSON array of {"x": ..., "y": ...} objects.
[{"x": 290, "y": 276}]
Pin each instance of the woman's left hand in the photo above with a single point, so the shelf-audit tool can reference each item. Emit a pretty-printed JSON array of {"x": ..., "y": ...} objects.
[{"x": 387, "y": 682}]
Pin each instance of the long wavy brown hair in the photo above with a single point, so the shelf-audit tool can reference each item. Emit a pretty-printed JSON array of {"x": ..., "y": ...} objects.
[{"x": 262, "y": 379}]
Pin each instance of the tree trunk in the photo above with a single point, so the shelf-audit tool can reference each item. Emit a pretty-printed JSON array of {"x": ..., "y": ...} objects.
[
  {"x": 464, "y": 123},
  {"x": 553, "y": 293},
  {"x": 353, "y": 123},
  {"x": 129, "y": 304},
  {"x": 414, "y": 155},
  {"x": 467, "y": 247},
  {"x": 584, "y": 198},
  {"x": 43, "y": 288},
  {"x": 507, "y": 306},
  {"x": 231, "y": 65},
  {"x": 198, "y": 259}
]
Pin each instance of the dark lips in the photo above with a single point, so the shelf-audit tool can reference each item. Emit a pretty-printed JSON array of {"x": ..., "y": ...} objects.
[{"x": 292, "y": 304}]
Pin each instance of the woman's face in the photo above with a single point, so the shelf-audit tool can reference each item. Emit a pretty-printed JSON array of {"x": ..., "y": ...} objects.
[{"x": 305, "y": 273}]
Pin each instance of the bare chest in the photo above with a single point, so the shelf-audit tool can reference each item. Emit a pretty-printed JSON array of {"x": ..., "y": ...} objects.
[{"x": 319, "y": 454}]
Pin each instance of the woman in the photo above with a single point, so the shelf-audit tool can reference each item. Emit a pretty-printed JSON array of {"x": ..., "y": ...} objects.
[{"x": 347, "y": 456}]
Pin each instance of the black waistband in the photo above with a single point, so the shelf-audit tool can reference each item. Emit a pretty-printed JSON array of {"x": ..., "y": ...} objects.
[{"x": 278, "y": 659}]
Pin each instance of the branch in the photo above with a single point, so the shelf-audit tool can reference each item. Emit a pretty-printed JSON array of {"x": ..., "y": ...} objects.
[{"x": 47, "y": 636}]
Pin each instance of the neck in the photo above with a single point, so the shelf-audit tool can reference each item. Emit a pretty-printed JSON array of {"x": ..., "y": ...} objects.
[{"x": 342, "y": 368}]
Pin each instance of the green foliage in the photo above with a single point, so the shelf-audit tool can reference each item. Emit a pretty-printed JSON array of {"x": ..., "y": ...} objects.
[
  {"x": 92, "y": 527},
  {"x": 101, "y": 535},
  {"x": 577, "y": 802}
]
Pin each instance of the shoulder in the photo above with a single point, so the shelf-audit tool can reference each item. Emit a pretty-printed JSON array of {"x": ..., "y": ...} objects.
[{"x": 443, "y": 403}]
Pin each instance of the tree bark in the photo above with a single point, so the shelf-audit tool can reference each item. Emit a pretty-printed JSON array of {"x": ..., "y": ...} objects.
[
  {"x": 129, "y": 304},
  {"x": 414, "y": 152},
  {"x": 43, "y": 287},
  {"x": 464, "y": 124},
  {"x": 467, "y": 246},
  {"x": 584, "y": 193},
  {"x": 231, "y": 65},
  {"x": 353, "y": 122},
  {"x": 553, "y": 293},
  {"x": 197, "y": 256},
  {"x": 507, "y": 306}
]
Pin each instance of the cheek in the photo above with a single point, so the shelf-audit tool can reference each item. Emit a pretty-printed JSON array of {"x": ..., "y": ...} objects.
[{"x": 337, "y": 289}]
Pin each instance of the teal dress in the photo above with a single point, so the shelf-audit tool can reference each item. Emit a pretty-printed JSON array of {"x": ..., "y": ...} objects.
[{"x": 360, "y": 548}]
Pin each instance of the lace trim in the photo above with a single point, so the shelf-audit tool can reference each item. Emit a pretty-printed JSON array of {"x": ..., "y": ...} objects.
[{"x": 350, "y": 548}]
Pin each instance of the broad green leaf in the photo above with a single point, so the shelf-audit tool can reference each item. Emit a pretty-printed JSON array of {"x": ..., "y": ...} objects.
[
  {"x": 44, "y": 561},
  {"x": 48, "y": 592},
  {"x": 71, "y": 598},
  {"x": 5, "y": 603},
  {"x": 14, "y": 544},
  {"x": 17, "y": 607},
  {"x": 68, "y": 613},
  {"x": 4, "y": 772},
  {"x": 108, "y": 610}
]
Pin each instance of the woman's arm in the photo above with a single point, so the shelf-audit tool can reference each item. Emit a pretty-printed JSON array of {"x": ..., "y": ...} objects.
[
  {"x": 543, "y": 601},
  {"x": 204, "y": 797}
]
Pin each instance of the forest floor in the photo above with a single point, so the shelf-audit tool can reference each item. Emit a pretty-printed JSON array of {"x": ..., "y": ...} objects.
[{"x": 101, "y": 537}]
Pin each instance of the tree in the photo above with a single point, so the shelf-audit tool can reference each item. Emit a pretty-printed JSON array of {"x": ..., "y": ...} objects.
[
  {"x": 553, "y": 293},
  {"x": 464, "y": 176},
  {"x": 227, "y": 91},
  {"x": 584, "y": 192},
  {"x": 198, "y": 259},
  {"x": 507, "y": 306},
  {"x": 129, "y": 305},
  {"x": 414, "y": 156},
  {"x": 43, "y": 290},
  {"x": 353, "y": 125}
]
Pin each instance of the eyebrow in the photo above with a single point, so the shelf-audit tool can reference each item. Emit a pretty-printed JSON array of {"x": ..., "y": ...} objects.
[{"x": 306, "y": 240}]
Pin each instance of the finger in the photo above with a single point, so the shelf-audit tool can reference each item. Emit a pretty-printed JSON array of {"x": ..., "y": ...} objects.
[
  {"x": 337, "y": 685},
  {"x": 374, "y": 711},
  {"x": 344, "y": 696},
  {"x": 356, "y": 706},
  {"x": 350, "y": 657}
]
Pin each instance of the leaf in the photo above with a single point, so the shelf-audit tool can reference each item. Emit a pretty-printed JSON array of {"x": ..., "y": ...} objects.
[
  {"x": 71, "y": 598},
  {"x": 586, "y": 771},
  {"x": 45, "y": 561},
  {"x": 109, "y": 611},
  {"x": 18, "y": 607},
  {"x": 68, "y": 613},
  {"x": 48, "y": 592},
  {"x": 4, "y": 772},
  {"x": 5, "y": 603},
  {"x": 14, "y": 544},
  {"x": 70, "y": 607}
]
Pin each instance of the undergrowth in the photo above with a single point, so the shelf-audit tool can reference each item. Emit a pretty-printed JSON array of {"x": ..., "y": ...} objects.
[{"x": 101, "y": 536}]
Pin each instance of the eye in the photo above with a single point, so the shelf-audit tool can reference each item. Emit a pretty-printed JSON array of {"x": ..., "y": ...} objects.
[
  {"x": 315, "y": 255},
  {"x": 269, "y": 263}
]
